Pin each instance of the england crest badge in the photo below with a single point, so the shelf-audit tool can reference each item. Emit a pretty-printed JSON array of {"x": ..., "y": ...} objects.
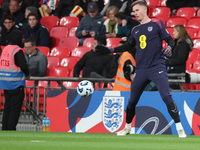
[{"x": 113, "y": 113}]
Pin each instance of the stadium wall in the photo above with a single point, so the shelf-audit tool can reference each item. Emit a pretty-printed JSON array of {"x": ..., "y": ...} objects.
[{"x": 104, "y": 112}]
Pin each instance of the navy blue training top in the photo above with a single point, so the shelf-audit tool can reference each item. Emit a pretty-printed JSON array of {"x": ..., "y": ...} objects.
[{"x": 148, "y": 39}]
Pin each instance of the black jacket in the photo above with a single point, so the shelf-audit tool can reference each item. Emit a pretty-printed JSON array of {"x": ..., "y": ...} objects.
[
  {"x": 39, "y": 33},
  {"x": 65, "y": 7},
  {"x": 180, "y": 52},
  {"x": 7, "y": 35},
  {"x": 176, "y": 4},
  {"x": 91, "y": 62}
]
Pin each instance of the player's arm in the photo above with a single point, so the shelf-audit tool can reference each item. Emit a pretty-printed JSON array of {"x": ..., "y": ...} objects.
[{"x": 105, "y": 50}]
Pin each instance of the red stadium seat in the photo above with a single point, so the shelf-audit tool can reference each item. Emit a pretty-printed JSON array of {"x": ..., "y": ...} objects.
[
  {"x": 198, "y": 13},
  {"x": 196, "y": 43},
  {"x": 113, "y": 42},
  {"x": 45, "y": 50},
  {"x": 72, "y": 32},
  {"x": 2, "y": 47},
  {"x": 170, "y": 30},
  {"x": 192, "y": 32},
  {"x": 193, "y": 56},
  {"x": 194, "y": 23},
  {"x": 53, "y": 61},
  {"x": 69, "y": 21},
  {"x": 158, "y": 18},
  {"x": 69, "y": 62},
  {"x": 186, "y": 12},
  {"x": 60, "y": 71},
  {"x": 60, "y": 52},
  {"x": 58, "y": 33},
  {"x": 49, "y": 22},
  {"x": 80, "y": 51},
  {"x": 162, "y": 12},
  {"x": 88, "y": 42},
  {"x": 151, "y": 5},
  {"x": 196, "y": 65},
  {"x": 171, "y": 22},
  {"x": 162, "y": 3},
  {"x": 69, "y": 84},
  {"x": 189, "y": 64},
  {"x": 69, "y": 42}
]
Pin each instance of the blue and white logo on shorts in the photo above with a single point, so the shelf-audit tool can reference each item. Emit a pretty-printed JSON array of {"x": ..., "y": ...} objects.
[{"x": 113, "y": 113}]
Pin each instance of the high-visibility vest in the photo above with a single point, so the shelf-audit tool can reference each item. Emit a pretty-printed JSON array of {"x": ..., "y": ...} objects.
[
  {"x": 11, "y": 76},
  {"x": 121, "y": 83}
]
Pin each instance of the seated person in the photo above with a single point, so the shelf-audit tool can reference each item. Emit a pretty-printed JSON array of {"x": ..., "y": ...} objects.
[
  {"x": 37, "y": 31},
  {"x": 91, "y": 25},
  {"x": 125, "y": 24},
  {"x": 91, "y": 61},
  {"x": 7, "y": 30},
  {"x": 27, "y": 11},
  {"x": 36, "y": 60},
  {"x": 111, "y": 24},
  {"x": 15, "y": 11},
  {"x": 180, "y": 52}
]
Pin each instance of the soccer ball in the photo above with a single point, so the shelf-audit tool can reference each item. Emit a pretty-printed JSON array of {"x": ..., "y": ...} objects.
[{"x": 85, "y": 88}]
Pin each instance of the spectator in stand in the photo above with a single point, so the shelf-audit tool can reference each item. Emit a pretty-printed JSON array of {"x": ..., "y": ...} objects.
[
  {"x": 23, "y": 5},
  {"x": 37, "y": 31},
  {"x": 111, "y": 24},
  {"x": 34, "y": 3},
  {"x": 91, "y": 25},
  {"x": 5, "y": 5},
  {"x": 180, "y": 52},
  {"x": 28, "y": 10},
  {"x": 120, "y": 4},
  {"x": 174, "y": 5},
  {"x": 7, "y": 30},
  {"x": 65, "y": 7},
  {"x": 125, "y": 25},
  {"x": 91, "y": 61},
  {"x": 36, "y": 60},
  {"x": 14, "y": 10},
  {"x": 84, "y": 4}
]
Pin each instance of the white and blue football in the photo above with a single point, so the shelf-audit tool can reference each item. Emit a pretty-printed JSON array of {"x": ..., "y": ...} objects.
[{"x": 85, "y": 88}]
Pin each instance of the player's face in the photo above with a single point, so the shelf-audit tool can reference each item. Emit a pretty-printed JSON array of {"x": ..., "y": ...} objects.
[
  {"x": 139, "y": 11},
  {"x": 175, "y": 33},
  {"x": 94, "y": 44}
]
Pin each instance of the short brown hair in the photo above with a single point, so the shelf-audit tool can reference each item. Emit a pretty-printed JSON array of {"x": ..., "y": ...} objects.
[
  {"x": 140, "y": 2},
  {"x": 114, "y": 8},
  {"x": 33, "y": 14}
]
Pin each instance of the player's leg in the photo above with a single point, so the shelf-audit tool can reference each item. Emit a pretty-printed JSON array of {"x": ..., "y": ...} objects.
[
  {"x": 137, "y": 87},
  {"x": 159, "y": 76}
]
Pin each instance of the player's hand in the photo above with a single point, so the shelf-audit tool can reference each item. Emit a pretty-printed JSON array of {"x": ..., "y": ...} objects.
[
  {"x": 127, "y": 69},
  {"x": 99, "y": 49},
  {"x": 167, "y": 51}
]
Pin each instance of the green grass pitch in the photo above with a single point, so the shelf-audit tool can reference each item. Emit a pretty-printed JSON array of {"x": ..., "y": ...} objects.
[{"x": 23, "y": 140}]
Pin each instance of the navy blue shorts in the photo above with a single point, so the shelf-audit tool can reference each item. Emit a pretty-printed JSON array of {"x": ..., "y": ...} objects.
[{"x": 157, "y": 74}]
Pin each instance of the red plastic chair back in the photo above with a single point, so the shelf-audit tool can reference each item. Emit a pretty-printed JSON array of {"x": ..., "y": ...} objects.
[
  {"x": 194, "y": 23},
  {"x": 186, "y": 12},
  {"x": 45, "y": 50},
  {"x": 60, "y": 52},
  {"x": 58, "y": 33},
  {"x": 69, "y": 62},
  {"x": 69, "y": 42},
  {"x": 80, "y": 51},
  {"x": 192, "y": 32},
  {"x": 69, "y": 21},
  {"x": 113, "y": 42},
  {"x": 72, "y": 32},
  {"x": 163, "y": 12},
  {"x": 49, "y": 22},
  {"x": 171, "y": 22},
  {"x": 88, "y": 42}
]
